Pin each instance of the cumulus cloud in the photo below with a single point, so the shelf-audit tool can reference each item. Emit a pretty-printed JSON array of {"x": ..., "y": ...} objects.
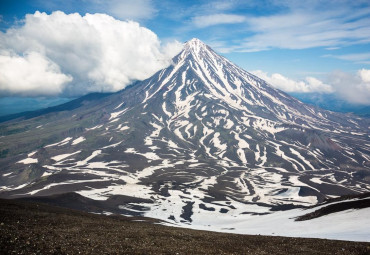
[
  {"x": 309, "y": 85},
  {"x": 354, "y": 88},
  {"x": 216, "y": 19},
  {"x": 30, "y": 75},
  {"x": 364, "y": 74},
  {"x": 87, "y": 53}
]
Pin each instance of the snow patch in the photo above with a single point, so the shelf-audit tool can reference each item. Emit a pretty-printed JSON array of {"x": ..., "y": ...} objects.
[
  {"x": 28, "y": 161},
  {"x": 78, "y": 140},
  {"x": 63, "y": 156}
]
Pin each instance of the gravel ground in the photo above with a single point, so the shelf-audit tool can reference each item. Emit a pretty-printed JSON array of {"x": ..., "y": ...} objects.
[{"x": 35, "y": 228}]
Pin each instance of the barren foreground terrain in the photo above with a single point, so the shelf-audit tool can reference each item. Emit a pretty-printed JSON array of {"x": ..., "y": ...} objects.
[{"x": 36, "y": 228}]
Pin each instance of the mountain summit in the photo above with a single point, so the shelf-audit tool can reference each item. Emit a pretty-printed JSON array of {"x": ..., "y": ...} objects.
[
  {"x": 201, "y": 138},
  {"x": 194, "y": 44}
]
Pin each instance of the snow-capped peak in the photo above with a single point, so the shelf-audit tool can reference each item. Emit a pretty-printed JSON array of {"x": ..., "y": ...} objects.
[
  {"x": 196, "y": 48},
  {"x": 195, "y": 43}
]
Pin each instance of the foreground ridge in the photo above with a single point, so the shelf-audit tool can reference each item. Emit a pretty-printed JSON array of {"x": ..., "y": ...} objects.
[{"x": 66, "y": 231}]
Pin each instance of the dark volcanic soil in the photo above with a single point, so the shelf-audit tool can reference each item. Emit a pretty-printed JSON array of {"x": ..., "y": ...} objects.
[{"x": 34, "y": 228}]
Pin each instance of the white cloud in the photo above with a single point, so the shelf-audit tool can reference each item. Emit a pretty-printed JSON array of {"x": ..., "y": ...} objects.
[
  {"x": 364, "y": 75},
  {"x": 357, "y": 57},
  {"x": 281, "y": 82},
  {"x": 307, "y": 25},
  {"x": 216, "y": 19},
  {"x": 99, "y": 52},
  {"x": 354, "y": 88},
  {"x": 121, "y": 9},
  {"x": 131, "y": 9},
  {"x": 30, "y": 75},
  {"x": 220, "y": 5},
  {"x": 171, "y": 49}
]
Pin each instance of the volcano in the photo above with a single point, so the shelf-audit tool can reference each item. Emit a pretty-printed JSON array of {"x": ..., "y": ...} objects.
[{"x": 200, "y": 143}]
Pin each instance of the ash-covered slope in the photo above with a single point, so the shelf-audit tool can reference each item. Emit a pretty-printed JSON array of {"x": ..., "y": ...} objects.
[{"x": 201, "y": 138}]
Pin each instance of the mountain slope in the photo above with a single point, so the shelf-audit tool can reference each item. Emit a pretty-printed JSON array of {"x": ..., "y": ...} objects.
[{"x": 201, "y": 138}]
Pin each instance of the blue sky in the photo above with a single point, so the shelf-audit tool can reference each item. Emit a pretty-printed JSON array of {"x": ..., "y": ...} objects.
[{"x": 298, "y": 46}]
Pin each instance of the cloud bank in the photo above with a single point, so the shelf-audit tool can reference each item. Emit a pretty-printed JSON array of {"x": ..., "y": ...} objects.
[
  {"x": 71, "y": 54},
  {"x": 353, "y": 88},
  {"x": 309, "y": 85}
]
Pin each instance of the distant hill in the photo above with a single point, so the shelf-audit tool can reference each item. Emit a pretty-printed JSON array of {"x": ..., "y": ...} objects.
[
  {"x": 73, "y": 104},
  {"x": 332, "y": 103}
]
